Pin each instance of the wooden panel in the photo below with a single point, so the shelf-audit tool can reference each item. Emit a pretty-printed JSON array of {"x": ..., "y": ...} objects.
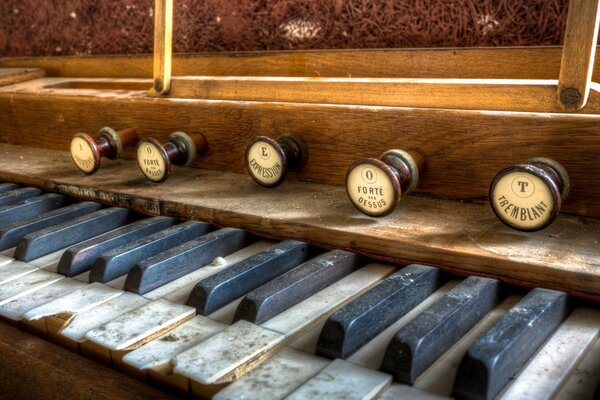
[
  {"x": 513, "y": 63},
  {"x": 466, "y": 238},
  {"x": 32, "y": 368},
  {"x": 9, "y": 76},
  {"x": 464, "y": 150}
]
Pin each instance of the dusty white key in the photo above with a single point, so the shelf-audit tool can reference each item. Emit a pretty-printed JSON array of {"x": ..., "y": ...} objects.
[
  {"x": 276, "y": 378},
  {"x": 140, "y": 325},
  {"x": 550, "y": 367},
  {"x": 242, "y": 346},
  {"x": 80, "y": 300},
  {"x": 5, "y": 259},
  {"x": 50, "y": 261},
  {"x": 398, "y": 391},
  {"x": 84, "y": 322},
  {"x": 343, "y": 380},
  {"x": 14, "y": 270},
  {"x": 158, "y": 353},
  {"x": 439, "y": 378},
  {"x": 179, "y": 290},
  {"x": 584, "y": 380},
  {"x": 16, "y": 309},
  {"x": 27, "y": 284}
]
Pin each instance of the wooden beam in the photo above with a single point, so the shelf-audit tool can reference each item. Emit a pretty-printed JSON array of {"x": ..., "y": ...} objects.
[
  {"x": 163, "y": 33},
  {"x": 10, "y": 76},
  {"x": 578, "y": 55}
]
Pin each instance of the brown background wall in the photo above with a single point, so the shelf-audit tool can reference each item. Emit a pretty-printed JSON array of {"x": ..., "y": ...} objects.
[{"x": 83, "y": 27}]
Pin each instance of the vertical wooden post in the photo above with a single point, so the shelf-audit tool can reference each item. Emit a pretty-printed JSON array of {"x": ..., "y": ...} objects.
[
  {"x": 579, "y": 49},
  {"x": 163, "y": 35}
]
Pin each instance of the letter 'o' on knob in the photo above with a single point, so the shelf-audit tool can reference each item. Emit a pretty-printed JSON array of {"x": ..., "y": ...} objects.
[
  {"x": 87, "y": 152},
  {"x": 155, "y": 158},
  {"x": 528, "y": 197},
  {"x": 268, "y": 160},
  {"x": 375, "y": 186}
]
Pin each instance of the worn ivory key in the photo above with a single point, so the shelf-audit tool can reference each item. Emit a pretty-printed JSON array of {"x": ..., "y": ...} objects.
[{"x": 233, "y": 352}]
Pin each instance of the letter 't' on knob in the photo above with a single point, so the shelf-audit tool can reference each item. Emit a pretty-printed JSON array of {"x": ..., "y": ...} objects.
[
  {"x": 375, "y": 186},
  {"x": 87, "y": 151},
  {"x": 155, "y": 158},
  {"x": 268, "y": 160},
  {"x": 528, "y": 197}
]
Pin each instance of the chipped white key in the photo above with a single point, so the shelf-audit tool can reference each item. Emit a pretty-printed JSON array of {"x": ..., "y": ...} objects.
[
  {"x": 343, "y": 380},
  {"x": 141, "y": 325},
  {"x": 230, "y": 354},
  {"x": 276, "y": 378},
  {"x": 398, "y": 391},
  {"x": 550, "y": 367},
  {"x": 27, "y": 284}
]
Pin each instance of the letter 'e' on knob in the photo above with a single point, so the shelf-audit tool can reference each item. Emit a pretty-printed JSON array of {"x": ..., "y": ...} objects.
[
  {"x": 375, "y": 186},
  {"x": 155, "y": 158},
  {"x": 268, "y": 160},
  {"x": 87, "y": 152},
  {"x": 528, "y": 197}
]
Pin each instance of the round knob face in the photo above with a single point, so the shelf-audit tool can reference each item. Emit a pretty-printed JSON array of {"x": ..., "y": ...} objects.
[
  {"x": 372, "y": 187},
  {"x": 153, "y": 160},
  {"x": 84, "y": 153},
  {"x": 266, "y": 162},
  {"x": 524, "y": 198}
]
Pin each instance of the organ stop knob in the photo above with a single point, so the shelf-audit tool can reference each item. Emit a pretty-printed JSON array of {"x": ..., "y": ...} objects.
[
  {"x": 87, "y": 152},
  {"x": 268, "y": 161},
  {"x": 528, "y": 197},
  {"x": 375, "y": 186},
  {"x": 155, "y": 159}
]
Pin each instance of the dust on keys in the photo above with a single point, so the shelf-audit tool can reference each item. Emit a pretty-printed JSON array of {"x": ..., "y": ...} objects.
[{"x": 220, "y": 312}]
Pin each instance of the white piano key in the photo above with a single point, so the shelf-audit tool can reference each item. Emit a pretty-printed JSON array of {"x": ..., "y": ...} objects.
[
  {"x": 399, "y": 391},
  {"x": 248, "y": 345},
  {"x": 275, "y": 379},
  {"x": 343, "y": 380},
  {"x": 141, "y": 325},
  {"x": 104, "y": 313},
  {"x": 5, "y": 259},
  {"x": 179, "y": 290},
  {"x": 439, "y": 378},
  {"x": 158, "y": 353},
  {"x": 542, "y": 377},
  {"x": 14, "y": 270},
  {"x": 80, "y": 300},
  {"x": 50, "y": 261},
  {"x": 16, "y": 309},
  {"x": 584, "y": 379},
  {"x": 27, "y": 284}
]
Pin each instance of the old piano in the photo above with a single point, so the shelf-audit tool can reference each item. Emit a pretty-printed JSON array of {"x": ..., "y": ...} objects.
[{"x": 233, "y": 226}]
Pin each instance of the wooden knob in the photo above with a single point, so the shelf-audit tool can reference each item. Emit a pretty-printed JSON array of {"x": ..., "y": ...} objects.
[
  {"x": 528, "y": 197},
  {"x": 268, "y": 161},
  {"x": 155, "y": 159},
  {"x": 375, "y": 186},
  {"x": 87, "y": 152}
]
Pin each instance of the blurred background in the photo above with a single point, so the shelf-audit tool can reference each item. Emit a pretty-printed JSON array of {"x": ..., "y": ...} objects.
[{"x": 87, "y": 27}]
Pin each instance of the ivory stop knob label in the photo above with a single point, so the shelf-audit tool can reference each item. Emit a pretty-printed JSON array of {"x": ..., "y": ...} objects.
[
  {"x": 265, "y": 163},
  {"x": 523, "y": 200},
  {"x": 151, "y": 161},
  {"x": 370, "y": 189},
  {"x": 83, "y": 155}
]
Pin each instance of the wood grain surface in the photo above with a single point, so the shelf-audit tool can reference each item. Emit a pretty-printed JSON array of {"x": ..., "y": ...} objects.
[
  {"x": 32, "y": 368},
  {"x": 459, "y": 236},
  {"x": 463, "y": 149},
  {"x": 10, "y": 76}
]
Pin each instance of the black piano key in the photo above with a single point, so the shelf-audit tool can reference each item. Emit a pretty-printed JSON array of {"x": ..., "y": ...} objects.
[
  {"x": 296, "y": 285},
  {"x": 499, "y": 354},
  {"x": 4, "y": 187},
  {"x": 30, "y": 208},
  {"x": 12, "y": 196},
  {"x": 49, "y": 240},
  {"x": 423, "y": 340},
  {"x": 79, "y": 258},
  {"x": 349, "y": 328},
  {"x": 227, "y": 285},
  {"x": 120, "y": 261},
  {"x": 11, "y": 234},
  {"x": 174, "y": 263}
]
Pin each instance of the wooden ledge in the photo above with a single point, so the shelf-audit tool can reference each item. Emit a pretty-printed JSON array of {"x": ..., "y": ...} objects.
[{"x": 463, "y": 237}]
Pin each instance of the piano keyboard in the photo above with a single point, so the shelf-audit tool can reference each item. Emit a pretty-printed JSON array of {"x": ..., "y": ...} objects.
[{"x": 220, "y": 312}]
